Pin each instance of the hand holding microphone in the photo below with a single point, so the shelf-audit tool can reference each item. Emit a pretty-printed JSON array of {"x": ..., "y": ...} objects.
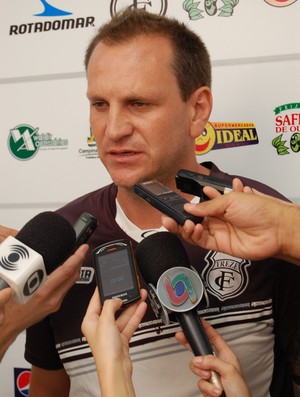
[
  {"x": 164, "y": 264},
  {"x": 226, "y": 364},
  {"x": 52, "y": 238},
  {"x": 5, "y": 232},
  {"x": 40, "y": 246}
]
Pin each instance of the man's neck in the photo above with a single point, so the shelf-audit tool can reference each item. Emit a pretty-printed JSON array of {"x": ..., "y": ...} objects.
[{"x": 137, "y": 210}]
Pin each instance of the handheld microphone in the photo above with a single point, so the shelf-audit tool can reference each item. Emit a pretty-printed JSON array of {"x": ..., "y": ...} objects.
[
  {"x": 164, "y": 263},
  {"x": 41, "y": 245}
]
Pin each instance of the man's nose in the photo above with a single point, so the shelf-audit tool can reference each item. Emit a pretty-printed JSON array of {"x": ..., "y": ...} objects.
[{"x": 118, "y": 125}]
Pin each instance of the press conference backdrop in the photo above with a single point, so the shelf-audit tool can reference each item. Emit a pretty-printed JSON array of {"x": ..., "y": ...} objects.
[{"x": 47, "y": 151}]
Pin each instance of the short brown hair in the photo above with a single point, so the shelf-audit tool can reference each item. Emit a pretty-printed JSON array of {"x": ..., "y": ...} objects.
[{"x": 191, "y": 59}]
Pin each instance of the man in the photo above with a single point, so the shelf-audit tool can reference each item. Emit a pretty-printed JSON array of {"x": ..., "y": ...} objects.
[{"x": 148, "y": 87}]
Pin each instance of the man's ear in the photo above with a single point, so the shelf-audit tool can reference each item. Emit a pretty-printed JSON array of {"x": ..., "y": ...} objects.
[{"x": 201, "y": 102}]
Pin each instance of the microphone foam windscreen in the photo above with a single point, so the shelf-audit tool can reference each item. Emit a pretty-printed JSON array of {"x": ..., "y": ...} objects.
[
  {"x": 50, "y": 235},
  {"x": 158, "y": 253}
]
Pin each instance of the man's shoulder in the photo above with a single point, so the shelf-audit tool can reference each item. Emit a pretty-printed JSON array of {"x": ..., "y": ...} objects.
[
  {"x": 94, "y": 202},
  {"x": 260, "y": 186},
  {"x": 108, "y": 191}
]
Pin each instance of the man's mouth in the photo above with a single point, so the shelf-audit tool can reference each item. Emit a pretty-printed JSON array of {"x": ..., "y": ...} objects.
[{"x": 122, "y": 153}]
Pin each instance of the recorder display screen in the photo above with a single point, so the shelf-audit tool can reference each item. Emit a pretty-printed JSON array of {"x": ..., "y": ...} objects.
[
  {"x": 156, "y": 188},
  {"x": 115, "y": 272}
]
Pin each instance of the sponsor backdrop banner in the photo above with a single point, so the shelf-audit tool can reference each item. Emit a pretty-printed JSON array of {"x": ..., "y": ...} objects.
[{"x": 47, "y": 151}]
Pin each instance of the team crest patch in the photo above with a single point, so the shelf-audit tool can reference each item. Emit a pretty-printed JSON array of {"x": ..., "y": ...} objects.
[{"x": 225, "y": 276}]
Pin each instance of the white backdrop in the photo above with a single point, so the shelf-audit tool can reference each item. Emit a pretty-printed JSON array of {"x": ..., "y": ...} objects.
[{"x": 256, "y": 61}]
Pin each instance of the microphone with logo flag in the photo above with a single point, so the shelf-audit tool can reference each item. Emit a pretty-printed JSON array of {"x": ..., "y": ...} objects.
[
  {"x": 174, "y": 288},
  {"x": 41, "y": 245}
]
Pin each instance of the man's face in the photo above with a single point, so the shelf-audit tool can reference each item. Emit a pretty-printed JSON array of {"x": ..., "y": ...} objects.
[{"x": 140, "y": 123}]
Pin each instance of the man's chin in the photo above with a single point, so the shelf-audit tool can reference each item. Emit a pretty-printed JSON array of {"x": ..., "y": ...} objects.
[
  {"x": 126, "y": 179},
  {"x": 125, "y": 183}
]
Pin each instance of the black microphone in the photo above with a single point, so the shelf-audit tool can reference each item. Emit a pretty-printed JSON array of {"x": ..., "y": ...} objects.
[
  {"x": 40, "y": 246},
  {"x": 164, "y": 264}
]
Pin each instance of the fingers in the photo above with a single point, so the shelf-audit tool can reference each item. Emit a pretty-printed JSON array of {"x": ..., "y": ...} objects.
[
  {"x": 127, "y": 322},
  {"x": 134, "y": 320},
  {"x": 211, "y": 192},
  {"x": 220, "y": 346},
  {"x": 209, "y": 390},
  {"x": 110, "y": 308},
  {"x": 94, "y": 307},
  {"x": 50, "y": 295},
  {"x": 92, "y": 313},
  {"x": 215, "y": 338},
  {"x": 5, "y": 296},
  {"x": 170, "y": 224},
  {"x": 237, "y": 185},
  {"x": 232, "y": 379},
  {"x": 5, "y": 232},
  {"x": 202, "y": 367},
  {"x": 130, "y": 311},
  {"x": 180, "y": 337},
  {"x": 66, "y": 274},
  {"x": 215, "y": 207}
]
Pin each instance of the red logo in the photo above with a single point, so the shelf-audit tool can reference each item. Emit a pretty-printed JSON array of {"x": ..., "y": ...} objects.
[{"x": 22, "y": 382}]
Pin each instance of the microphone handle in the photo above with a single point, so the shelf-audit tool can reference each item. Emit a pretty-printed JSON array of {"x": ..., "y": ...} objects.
[
  {"x": 3, "y": 284},
  {"x": 195, "y": 334}
]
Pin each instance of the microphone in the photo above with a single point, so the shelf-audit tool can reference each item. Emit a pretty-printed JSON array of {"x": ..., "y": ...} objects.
[
  {"x": 164, "y": 263},
  {"x": 40, "y": 246}
]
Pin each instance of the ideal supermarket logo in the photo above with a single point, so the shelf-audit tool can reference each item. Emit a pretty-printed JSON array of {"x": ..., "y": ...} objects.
[
  {"x": 222, "y": 8},
  {"x": 155, "y": 6},
  {"x": 287, "y": 124},
  {"x": 52, "y": 25},
  {"x": 21, "y": 381},
  {"x": 24, "y": 142},
  {"x": 223, "y": 135}
]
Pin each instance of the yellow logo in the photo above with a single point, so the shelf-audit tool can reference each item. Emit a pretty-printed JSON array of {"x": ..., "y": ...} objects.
[{"x": 222, "y": 135}]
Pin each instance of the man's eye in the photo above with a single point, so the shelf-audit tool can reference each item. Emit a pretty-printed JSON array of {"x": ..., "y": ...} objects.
[
  {"x": 139, "y": 104},
  {"x": 99, "y": 104}
]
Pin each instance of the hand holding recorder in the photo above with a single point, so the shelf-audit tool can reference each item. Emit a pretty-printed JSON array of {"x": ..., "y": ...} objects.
[
  {"x": 244, "y": 223},
  {"x": 171, "y": 203},
  {"x": 109, "y": 341}
]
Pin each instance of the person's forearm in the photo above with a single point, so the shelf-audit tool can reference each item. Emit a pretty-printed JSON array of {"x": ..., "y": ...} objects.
[
  {"x": 8, "y": 333},
  {"x": 115, "y": 381},
  {"x": 18, "y": 317},
  {"x": 290, "y": 234},
  {"x": 16, "y": 320}
]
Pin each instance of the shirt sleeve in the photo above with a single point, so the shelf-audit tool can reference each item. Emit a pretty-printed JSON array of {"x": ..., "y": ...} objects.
[
  {"x": 287, "y": 318},
  {"x": 40, "y": 346}
]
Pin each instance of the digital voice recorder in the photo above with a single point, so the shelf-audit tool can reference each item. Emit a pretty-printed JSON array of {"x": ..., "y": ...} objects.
[
  {"x": 193, "y": 183},
  {"x": 165, "y": 200},
  {"x": 84, "y": 227},
  {"x": 116, "y": 271}
]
